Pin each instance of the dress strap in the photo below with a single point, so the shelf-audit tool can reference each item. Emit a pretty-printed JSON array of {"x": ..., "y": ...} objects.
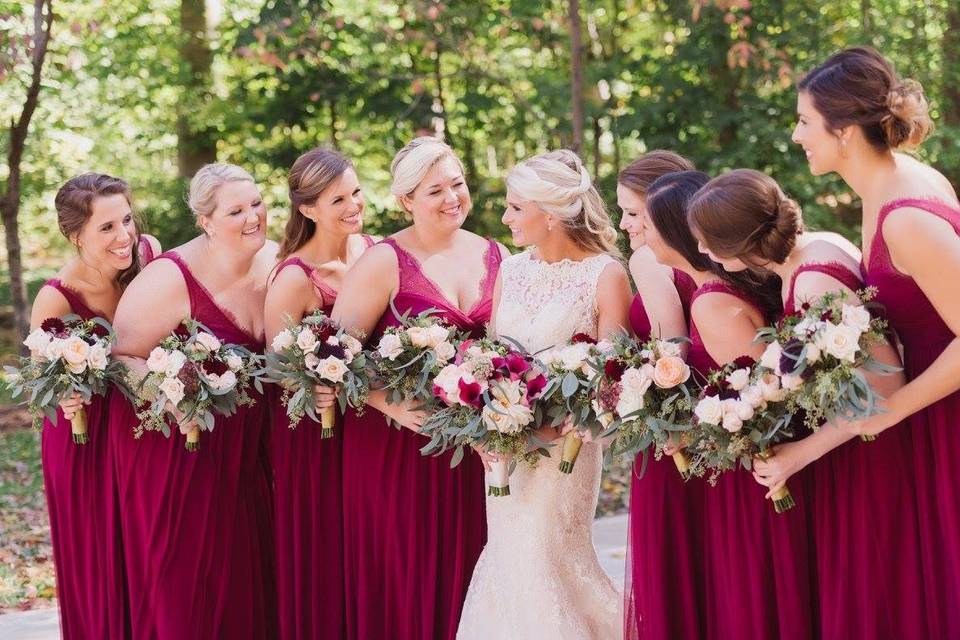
[
  {"x": 74, "y": 298},
  {"x": 493, "y": 261},
  {"x": 145, "y": 249},
  {"x": 836, "y": 270},
  {"x": 291, "y": 261},
  {"x": 369, "y": 240},
  {"x": 935, "y": 207}
]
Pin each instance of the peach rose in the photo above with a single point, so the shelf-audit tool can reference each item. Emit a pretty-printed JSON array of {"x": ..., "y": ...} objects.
[{"x": 670, "y": 371}]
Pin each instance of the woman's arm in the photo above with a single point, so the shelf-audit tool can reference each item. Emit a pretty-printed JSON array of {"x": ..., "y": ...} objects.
[
  {"x": 613, "y": 301},
  {"x": 658, "y": 292}
]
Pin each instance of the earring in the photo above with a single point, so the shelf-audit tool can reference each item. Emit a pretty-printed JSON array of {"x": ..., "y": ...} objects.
[{"x": 843, "y": 148}]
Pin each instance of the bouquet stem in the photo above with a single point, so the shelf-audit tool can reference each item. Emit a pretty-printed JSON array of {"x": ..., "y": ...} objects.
[
  {"x": 571, "y": 449},
  {"x": 683, "y": 464},
  {"x": 193, "y": 439},
  {"x": 782, "y": 499},
  {"x": 78, "y": 426},
  {"x": 868, "y": 438},
  {"x": 498, "y": 479},
  {"x": 328, "y": 417}
]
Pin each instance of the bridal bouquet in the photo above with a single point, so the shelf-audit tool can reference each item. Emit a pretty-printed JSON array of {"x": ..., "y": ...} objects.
[
  {"x": 199, "y": 375},
  {"x": 67, "y": 355},
  {"x": 818, "y": 353},
  {"x": 569, "y": 392},
  {"x": 643, "y": 395},
  {"x": 489, "y": 393},
  {"x": 317, "y": 352},
  {"x": 409, "y": 356},
  {"x": 740, "y": 413}
]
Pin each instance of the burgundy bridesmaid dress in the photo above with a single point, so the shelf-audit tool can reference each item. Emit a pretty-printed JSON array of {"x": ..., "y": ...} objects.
[
  {"x": 864, "y": 513},
  {"x": 84, "y": 521},
  {"x": 413, "y": 527},
  {"x": 759, "y": 576},
  {"x": 664, "y": 595},
  {"x": 934, "y": 431},
  {"x": 198, "y": 526},
  {"x": 308, "y": 511}
]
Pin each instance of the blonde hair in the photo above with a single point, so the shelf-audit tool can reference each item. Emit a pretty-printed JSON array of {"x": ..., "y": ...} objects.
[
  {"x": 559, "y": 184},
  {"x": 414, "y": 161},
  {"x": 202, "y": 198}
]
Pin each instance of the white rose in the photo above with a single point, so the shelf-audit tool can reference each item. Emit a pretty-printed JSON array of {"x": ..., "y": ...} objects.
[
  {"x": 813, "y": 352},
  {"x": 437, "y": 334},
  {"x": 310, "y": 361},
  {"x": 857, "y": 317},
  {"x": 97, "y": 358},
  {"x": 791, "y": 382},
  {"x": 731, "y": 422},
  {"x": 740, "y": 408},
  {"x": 175, "y": 362},
  {"x": 709, "y": 410},
  {"x": 75, "y": 351},
  {"x": 771, "y": 357},
  {"x": 173, "y": 389},
  {"x": 474, "y": 351},
  {"x": 605, "y": 346},
  {"x": 804, "y": 327},
  {"x": 332, "y": 369},
  {"x": 507, "y": 414},
  {"x": 419, "y": 337},
  {"x": 753, "y": 395},
  {"x": 37, "y": 342},
  {"x": 572, "y": 357},
  {"x": 351, "y": 344},
  {"x": 739, "y": 379},
  {"x": 634, "y": 385},
  {"x": 159, "y": 360},
  {"x": 223, "y": 382},
  {"x": 283, "y": 340},
  {"x": 840, "y": 341},
  {"x": 390, "y": 346},
  {"x": 667, "y": 348},
  {"x": 647, "y": 354},
  {"x": 209, "y": 341},
  {"x": 54, "y": 350},
  {"x": 444, "y": 351},
  {"x": 235, "y": 362},
  {"x": 770, "y": 387},
  {"x": 306, "y": 340},
  {"x": 448, "y": 379}
]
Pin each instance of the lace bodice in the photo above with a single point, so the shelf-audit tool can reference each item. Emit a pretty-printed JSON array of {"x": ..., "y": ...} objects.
[
  {"x": 543, "y": 304},
  {"x": 539, "y": 571}
]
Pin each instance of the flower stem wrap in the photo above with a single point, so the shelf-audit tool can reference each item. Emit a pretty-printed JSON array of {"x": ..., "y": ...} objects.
[
  {"x": 78, "y": 426},
  {"x": 782, "y": 500},
  {"x": 498, "y": 479},
  {"x": 571, "y": 449}
]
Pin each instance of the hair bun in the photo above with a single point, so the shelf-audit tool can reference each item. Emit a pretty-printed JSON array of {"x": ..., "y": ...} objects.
[
  {"x": 908, "y": 123},
  {"x": 783, "y": 227}
]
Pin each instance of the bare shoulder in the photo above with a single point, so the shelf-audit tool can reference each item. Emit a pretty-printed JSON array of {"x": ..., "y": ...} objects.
[
  {"x": 153, "y": 242},
  {"x": 289, "y": 279},
  {"x": 720, "y": 306},
  {"x": 614, "y": 274},
  {"x": 49, "y": 303},
  {"x": 827, "y": 246},
  {"x": 646, "y": 270}
]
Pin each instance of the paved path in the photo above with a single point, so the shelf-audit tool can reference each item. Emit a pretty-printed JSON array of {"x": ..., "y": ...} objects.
[{"x": 609, "y": 536}]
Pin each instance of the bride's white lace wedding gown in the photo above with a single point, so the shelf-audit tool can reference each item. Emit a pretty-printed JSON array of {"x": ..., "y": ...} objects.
[{"x": 539, "y": 575}]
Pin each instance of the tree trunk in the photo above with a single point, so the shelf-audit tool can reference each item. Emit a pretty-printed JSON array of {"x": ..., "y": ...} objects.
[
  {"x": 10, "y": 199},
  {"x": 332, "y": 103},
  {"x": 951, "y": 93},
  {"x": 865, "y": 22},
  {"x": 597, "y": 133},
  {"x": 576, "y": 75},
  {"x": 196, "y": 144}
]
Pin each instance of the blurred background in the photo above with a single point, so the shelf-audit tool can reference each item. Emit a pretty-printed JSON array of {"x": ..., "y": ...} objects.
[{"x": 151, "y": 90}]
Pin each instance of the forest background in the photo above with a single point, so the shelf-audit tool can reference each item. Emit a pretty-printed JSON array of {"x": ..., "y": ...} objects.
[{"x": 149, "y": 90}]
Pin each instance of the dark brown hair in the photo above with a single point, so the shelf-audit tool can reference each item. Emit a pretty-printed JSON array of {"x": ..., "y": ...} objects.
[
  {"x": 74, "y": 205},
  {"x": 642, "y": 172},
  {"x": 310, "y": 174},
  {"x": 744, "y": 214},
  {"x": 858, "y": 86}
]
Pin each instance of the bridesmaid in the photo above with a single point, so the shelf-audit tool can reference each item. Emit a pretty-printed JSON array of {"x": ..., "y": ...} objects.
[
  {"x": 662, "y": 600},
  {"x": 197, "y": 526},
  {"x": 757, "y": 584},
  {"x": 322, "y": 239},
  {"x": 413, "y": 527},
  {"x": 745, "y": 221},
  {"x": 854, "y": 113},
  {"x": 94, "y": 212}
]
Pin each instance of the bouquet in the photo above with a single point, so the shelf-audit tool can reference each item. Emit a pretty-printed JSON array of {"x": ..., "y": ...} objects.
[
  {"x": 489, "y": 395},
  {"x": 408, "y": 357},
  {"x": 569, "y": 391},
  {"x": 317, "y": 352},
  {"x": 67, "y": 355},
  {"x": 818, "y": 353},
  {"x": 740, "y": 413},
  {"x": 200, "y": 376},
  {"x": 642, "y": 395}
]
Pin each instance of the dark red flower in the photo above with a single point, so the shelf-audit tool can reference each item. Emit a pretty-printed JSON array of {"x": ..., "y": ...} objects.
[
  {"x": 323, "y": 331},
  {"x": 744, "y": 362},
  {"x": 827, "y": 316},
  {"x": 513, "y": 363},
  {"x": 805, "y": 306},
  {"x": 324, "y": 350},
  {"x": 190, "y": 378},
  {"x": 583, "y": 337},
  {"x": 790, "y": 356},
  {"x": 53, "y": 325},
  {"x": 182, "y": 332},
  {"x": 613, "y": 369},
  {"x": 535, "y": 385},
  {"x": 711, "y": 390},
  {"x": 471, "y": 393},
  {"x": 213, "y": 366},
  {"x": 99, "y": 330}
]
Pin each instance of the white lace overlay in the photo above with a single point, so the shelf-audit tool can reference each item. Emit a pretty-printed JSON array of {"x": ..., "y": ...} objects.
[{"x": 539, "y": 575}]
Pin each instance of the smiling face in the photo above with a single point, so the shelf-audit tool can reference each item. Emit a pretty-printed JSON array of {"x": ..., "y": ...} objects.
[
  {"x": 634, "y": 207},
  {"x": 442, "y": 198},
  {"x": 820, "y": 144},
  {"x": 240, "y": 217},
  {"x": 529, "y": 224},
  {"x": 109, "y": 235},
  {"x": 339, "y": 208},
  {"x": 663, "y": 252}
]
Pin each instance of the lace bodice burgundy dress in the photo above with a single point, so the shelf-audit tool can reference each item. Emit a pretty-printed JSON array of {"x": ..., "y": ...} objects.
[{"x": 539, "y": 576}]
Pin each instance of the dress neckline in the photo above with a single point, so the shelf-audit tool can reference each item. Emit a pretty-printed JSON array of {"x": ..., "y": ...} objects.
[
  {"x": 57, "y": 283},
  {"x": 925, "y": 203}
]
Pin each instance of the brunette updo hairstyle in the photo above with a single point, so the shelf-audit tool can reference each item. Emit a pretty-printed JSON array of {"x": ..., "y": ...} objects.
[
  {"x": 310, "y": 175},
  {"x": 858, "y": 86},
  {"x": 744, "y": 214},
  {"x": 74, "y": 205},
  {"x": 642, "y": 172}
]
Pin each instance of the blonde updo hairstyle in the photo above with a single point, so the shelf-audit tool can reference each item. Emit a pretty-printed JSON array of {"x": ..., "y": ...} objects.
[
  {"x": 744, "y": 214},
  {"x": 559, "y": 184},
  {"x": 858, "y": 86},
  {"x": 412, "y": 163},
  {"x": 202, "y": 198}
]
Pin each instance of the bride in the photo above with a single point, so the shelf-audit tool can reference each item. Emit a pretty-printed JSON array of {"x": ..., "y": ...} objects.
[{"x": 539, "y": 576}]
